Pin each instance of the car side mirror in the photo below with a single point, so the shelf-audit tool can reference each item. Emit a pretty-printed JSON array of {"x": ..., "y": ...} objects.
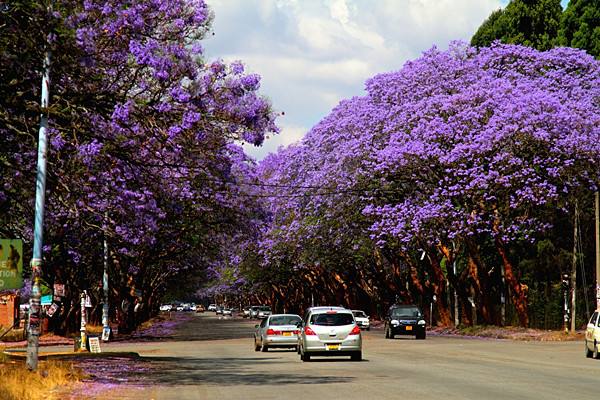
[{"x": 256, "y": 326}]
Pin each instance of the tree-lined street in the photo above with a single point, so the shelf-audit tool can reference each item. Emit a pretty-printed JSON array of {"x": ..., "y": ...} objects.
[{"x": 212, "y": 357}]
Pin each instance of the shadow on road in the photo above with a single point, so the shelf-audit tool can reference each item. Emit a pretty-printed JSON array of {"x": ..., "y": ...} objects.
[{"x": 171, "y": 371}]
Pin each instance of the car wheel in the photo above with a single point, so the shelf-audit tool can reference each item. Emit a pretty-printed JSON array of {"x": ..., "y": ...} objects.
[
  {"x": 369, "y": 328},
  {"x": 356, "y": 356},
  {"x": 264, "y": 348},
  {"x": 387, "y": 333},
  {"x": 421, "y": 336},
  {"x": 588, "y": 352},
  {"x": 305, "y": 357},
  {"x": 595, "y": 355},
  {"x": 390, "y": 333},
  {"x": 256, "y": 346}
]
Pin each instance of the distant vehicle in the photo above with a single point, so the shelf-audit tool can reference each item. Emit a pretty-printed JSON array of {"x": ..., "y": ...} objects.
[
  {"x": 200, "y": 308},
  {"x": 246, "y": 312},
  {"x": 329, "y": 331},
  {"x": 187, "y": 307},
  {"x": 277, "y": 330},
  {"x": 263, "y": 312},
  {"x": 227, "y": 311},
  {"x": 212, "y": 307},
  {"x": 592, "y": 336},
  {"x": 180, "y": 307},
  {"x": 254, "y": 311},
  {"x": 405, "y": 320},
  {"x": 219, "y": 310},
  {"x": 193, "y": 307},
  {"x": 166, "y": 307},
  {"x": 362, "y": 319}
]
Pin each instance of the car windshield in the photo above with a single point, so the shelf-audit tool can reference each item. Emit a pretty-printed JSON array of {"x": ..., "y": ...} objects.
[
  {"x": 406, "y": 312},
  {"x": 285, "y": 320},
  {"x": 359, "y": 314},
  {"x": 332, "y": 319},
  {"x": 264, "y": 308}
]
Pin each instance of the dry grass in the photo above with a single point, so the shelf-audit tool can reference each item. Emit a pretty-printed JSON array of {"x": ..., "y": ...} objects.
[
  {"x": 94, "y": 330},
  {"x": 18, "y": 383},
  {"x": 512, "y": 333},
  {"x": 14, "y": 335}
]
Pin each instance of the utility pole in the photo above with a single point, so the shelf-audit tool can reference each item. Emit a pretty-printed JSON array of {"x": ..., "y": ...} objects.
[
  {"x": 33, "y": 337},
  {"x": 105, "y": 325},
  {"x": 573, "y": 285},
  {"x": 597, "y": 249}
]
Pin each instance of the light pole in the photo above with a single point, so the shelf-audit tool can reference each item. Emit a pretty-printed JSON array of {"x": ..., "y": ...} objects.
[{"x": 40, "y": 197}]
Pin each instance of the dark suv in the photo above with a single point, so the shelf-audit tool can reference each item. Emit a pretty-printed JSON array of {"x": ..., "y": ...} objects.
[{"x": 404, "y": 320}]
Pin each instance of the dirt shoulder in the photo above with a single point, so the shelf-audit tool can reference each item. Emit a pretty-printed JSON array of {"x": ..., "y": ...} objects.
[{"x": 508, "y": 332}]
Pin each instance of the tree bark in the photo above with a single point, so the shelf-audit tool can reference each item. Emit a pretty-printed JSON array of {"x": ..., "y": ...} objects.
[{"x": 518, "y": 291}]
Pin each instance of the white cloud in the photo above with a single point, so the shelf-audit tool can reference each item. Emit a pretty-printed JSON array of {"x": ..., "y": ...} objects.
[
  {"x": 314, "y": 53},
  {"x": 289, "y": 134}
]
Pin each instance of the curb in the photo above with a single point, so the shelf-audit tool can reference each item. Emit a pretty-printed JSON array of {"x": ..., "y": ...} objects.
[{"x": 22, "y": 354}]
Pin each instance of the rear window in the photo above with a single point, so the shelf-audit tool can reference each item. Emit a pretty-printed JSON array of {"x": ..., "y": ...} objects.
[
  {"x": 285, "y": 320},
  {"x": 406, "y": 312},
  {"x": 264, "y": 308},
  {"x": 337, "y": 319}
]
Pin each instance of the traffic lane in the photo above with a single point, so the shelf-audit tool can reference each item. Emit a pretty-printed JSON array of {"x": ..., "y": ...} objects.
[{"x": 452, "y": 368}]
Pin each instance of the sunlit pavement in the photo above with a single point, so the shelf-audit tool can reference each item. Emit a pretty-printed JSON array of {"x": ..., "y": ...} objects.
[{"x": 213, "y": 358}]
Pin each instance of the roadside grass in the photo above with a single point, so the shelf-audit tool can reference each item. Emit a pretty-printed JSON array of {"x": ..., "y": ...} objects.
[
  {"x": 18, "y": 383},
  {"x": 14, "y": 335}
]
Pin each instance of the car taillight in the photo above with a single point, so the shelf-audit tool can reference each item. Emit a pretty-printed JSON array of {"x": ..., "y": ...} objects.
[
  {"x": 272, "y": 332},
  {"x": 355, "y": 330},
  {"x": 308, "y": 331},
  {"x": 296, "y": 332}
]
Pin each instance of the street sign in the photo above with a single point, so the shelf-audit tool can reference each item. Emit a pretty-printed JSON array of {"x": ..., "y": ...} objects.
[{"x": 11, "y": 264}]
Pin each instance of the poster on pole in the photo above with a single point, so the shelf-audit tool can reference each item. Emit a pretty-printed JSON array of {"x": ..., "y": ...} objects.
[{"x": 11, "y": 264}]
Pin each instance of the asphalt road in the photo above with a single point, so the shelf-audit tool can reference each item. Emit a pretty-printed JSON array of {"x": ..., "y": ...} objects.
[{"x": 213, "y": 358}]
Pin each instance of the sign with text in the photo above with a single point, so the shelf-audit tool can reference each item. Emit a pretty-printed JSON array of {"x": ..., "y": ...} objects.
[
  {"x": 11, "y": 264},
  {"x": 94, "y": 345}
]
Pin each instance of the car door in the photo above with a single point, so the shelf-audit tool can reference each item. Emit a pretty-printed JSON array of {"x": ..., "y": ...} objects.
[
  {"x": 591, "y": 327},
  {"x": 263, "y": 330}
]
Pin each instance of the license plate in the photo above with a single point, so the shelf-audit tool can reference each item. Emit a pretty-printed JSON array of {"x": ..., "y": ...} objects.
[
  {"x": 333, "y": 347},
  {"x": 409, "y": 328},
  {"x": 287, "y": 333}
]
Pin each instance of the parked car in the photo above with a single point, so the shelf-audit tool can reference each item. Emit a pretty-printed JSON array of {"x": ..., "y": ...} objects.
[
  {"x": 179, "y": 307},
  {"x": 193, "y": 307},
  {"x": 405, "y": 320},
  {"x": 228, "y": 312},
  {"x": 246, "y": 312},
  {"x": 219, "y": 310},
  {"x": 592, "y": 336},
  {"x": 166, "y": 307},
  {"x": 200, "y": 308},
  {"x": 329, "y": 331},
  {"x": 362, "y": 319},
  {"x": 212, "y": 307},
  {"x": 277, "y": 330},
  {"x": 263, "y": 312}
]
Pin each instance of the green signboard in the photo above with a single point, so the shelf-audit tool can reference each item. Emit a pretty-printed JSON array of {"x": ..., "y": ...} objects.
[{"x": 11, "y": 264}]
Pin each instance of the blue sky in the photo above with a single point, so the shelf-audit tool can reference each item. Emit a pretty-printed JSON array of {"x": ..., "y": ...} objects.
[{"x": 313, "y": 53}]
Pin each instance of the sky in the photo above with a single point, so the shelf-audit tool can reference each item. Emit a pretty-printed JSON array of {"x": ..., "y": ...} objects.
[{"x": 312, "y": 54}]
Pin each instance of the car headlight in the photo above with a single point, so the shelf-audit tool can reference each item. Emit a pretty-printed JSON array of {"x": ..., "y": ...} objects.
[
  {"x": 395, "y": 322},
  {"x": 422, "y": 322}
]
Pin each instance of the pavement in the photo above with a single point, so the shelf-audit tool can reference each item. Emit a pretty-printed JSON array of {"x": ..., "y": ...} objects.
[{"x": 208, "y": 357}]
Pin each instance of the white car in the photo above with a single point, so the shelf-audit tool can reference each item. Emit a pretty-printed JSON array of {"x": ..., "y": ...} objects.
[
  {"x": 592, "y": 337},
  {"x": 212, "y": 307},
  {"x": 227, "y": 311},
  {"x": 362, "y": 319},
  {"x": 166, "y": 307}
]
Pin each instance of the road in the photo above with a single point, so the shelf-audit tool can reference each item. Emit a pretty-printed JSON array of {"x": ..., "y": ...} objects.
[{"x": 212, "y": 358}]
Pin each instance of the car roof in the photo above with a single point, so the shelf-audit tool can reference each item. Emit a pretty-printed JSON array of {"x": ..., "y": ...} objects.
[
  {"x": 325, "y": 309},
  {"x": 284, "y": 315}
]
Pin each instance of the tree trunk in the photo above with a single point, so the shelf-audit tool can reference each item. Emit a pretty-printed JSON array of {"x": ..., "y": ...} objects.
[{"x": 518, "y": 291}]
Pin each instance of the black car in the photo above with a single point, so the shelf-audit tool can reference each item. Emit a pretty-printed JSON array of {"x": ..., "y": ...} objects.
[{"x": 404, "y": 320}]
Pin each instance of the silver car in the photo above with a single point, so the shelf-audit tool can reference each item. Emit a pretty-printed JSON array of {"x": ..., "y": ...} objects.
[
  {"x": 329, "y": 331},
  {"x": 277, "y": 330}
]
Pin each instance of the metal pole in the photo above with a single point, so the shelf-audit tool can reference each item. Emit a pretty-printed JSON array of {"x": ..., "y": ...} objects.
[
  {"x": 83, "y": 322},
  {"x": 40, "y": 197},
  {"x": 105, "y": 326},
  {"x": 597, "y": 249}
]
